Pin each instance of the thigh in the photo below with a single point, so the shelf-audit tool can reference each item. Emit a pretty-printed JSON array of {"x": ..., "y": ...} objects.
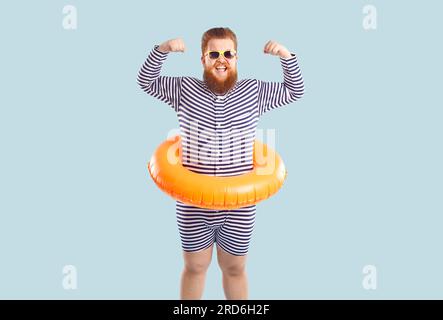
[
  {"x": 235, "y": 234},
  {"x": 193, "y": 228}
]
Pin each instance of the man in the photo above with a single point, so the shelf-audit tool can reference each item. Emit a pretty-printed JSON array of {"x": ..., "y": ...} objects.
[{"x": 218, "y": 118}]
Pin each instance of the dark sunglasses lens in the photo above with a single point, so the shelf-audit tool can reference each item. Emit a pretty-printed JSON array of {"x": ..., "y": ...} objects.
[
  {"x": 229, "y": 54},
  {"x": 213, "y": 54}
]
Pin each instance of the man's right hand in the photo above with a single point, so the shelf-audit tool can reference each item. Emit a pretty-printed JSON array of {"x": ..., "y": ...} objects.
[{"x": 173, "y": 45}]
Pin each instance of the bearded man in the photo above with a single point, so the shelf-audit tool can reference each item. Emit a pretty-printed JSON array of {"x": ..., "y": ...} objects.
[{"x": 218, "y": 118}]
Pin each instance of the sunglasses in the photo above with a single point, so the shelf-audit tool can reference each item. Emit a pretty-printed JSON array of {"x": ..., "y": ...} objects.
[{"x": 228, "y": 54}]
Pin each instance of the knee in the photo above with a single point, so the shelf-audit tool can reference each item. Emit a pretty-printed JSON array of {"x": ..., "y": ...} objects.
[
  {"x": 197, "y": 267},
  {"x": 233, "y": 270}
]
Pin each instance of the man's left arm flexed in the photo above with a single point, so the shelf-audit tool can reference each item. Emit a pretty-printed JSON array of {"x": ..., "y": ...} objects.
[{"x": 272, "y": 95}]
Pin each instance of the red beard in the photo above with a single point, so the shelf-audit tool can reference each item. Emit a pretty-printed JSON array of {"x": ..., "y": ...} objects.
[{"x": 220, "y": 86}]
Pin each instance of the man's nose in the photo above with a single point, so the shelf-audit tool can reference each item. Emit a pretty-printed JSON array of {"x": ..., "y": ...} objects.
[
  {"x": 221, "y": 58},
  {"x": 222, "y": 61}
]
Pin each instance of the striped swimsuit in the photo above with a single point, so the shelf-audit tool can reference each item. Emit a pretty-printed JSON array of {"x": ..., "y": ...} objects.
[{"x": 218, "y": 133}]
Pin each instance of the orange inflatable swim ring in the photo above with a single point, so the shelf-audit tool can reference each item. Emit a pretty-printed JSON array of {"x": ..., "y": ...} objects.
[{"x": 213, "y": 192}]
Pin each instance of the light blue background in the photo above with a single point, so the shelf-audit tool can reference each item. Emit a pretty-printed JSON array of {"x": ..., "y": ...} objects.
[{"x": 363, "y": 149}]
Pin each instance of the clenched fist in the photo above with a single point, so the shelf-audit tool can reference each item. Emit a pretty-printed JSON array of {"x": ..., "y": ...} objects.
[
  {"x": 276, "y": 49},
  {"x": 173, "y": 45}
]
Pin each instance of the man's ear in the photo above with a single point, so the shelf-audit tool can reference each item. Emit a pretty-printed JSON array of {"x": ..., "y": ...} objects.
[{"x": 202, "y": 60}]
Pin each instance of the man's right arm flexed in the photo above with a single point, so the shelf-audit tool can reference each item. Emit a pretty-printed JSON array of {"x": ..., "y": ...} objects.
[{"x": 167, "y": 89}]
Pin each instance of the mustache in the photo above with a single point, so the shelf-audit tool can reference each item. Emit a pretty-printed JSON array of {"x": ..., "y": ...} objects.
[{"x": 221, "y": 65}]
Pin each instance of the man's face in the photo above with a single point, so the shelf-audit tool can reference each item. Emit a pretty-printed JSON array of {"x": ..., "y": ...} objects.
[{"x": 220, "y": 74}]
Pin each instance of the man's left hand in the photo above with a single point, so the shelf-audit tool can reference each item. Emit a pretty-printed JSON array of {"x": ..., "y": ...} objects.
[{"x": 276, "y": 49}]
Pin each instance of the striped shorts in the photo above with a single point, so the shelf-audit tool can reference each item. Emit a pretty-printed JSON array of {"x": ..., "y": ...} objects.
[{"x": 200, "y": 228}]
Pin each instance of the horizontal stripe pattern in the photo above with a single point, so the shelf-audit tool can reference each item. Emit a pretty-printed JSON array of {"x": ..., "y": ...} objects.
[{"x": 200, "y": 228}]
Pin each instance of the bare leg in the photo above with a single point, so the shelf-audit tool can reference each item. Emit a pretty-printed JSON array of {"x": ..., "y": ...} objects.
[
  {"x": 194, "y": 273},
  {"x": 235, "y": 282}
]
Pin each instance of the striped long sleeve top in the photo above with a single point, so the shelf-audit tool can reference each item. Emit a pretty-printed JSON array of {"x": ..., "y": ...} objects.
[{"x": 218, "y": 131}]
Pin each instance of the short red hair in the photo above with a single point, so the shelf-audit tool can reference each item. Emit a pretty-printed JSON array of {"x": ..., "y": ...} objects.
[{"x": 218, "y": 33}]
